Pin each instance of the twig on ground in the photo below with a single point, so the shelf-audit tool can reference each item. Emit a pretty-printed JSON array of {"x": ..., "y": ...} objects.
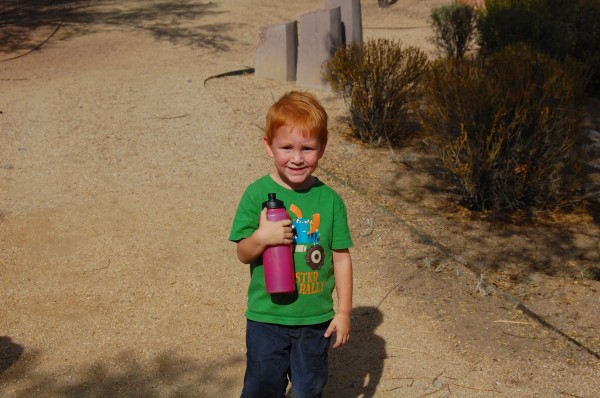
[
  {"x": 516, "y": 322},
  {"x": 441, "y": 267},
  {"x": 412, "y": 380},
  {"x": 171, "y": 117},
  {"x": 238, "y": 72},
  {"x": 396, "y": 286},
  {"x": 519, "y": 337},
  {"x": 475, "y": 363},
  {"x": 392, "y": 389},
  {"x": 481, "y": 287},
  {"x": 570, "y": 395},
  {"x": 98, "y": 269},
  {"x": 437, "y": 377},
  {"x": 553, "y": 328},
  {"x": 39, "y": 45},
  {"x": 386, "y": 295}
]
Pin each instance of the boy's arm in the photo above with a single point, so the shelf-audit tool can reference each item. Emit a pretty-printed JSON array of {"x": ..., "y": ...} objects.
[
  {"x": 342, "y": 270},
  {"x": 269, "y": 233}
]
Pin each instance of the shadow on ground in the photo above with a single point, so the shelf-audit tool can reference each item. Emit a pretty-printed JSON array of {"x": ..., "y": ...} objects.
[
  {"x": 413, "y": 185},
  {"x": 167, "y": 375},
  {"x": 10, "y": 352},
  {"x": 355, "y": 370},
  {"x": 26, "y": 24}
]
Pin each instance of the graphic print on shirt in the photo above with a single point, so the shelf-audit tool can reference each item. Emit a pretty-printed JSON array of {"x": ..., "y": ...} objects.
[{"x": 307, "y": 238}]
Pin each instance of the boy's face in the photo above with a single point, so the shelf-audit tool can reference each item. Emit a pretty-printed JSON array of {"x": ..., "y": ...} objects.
[{"x": 296, "y": 157}]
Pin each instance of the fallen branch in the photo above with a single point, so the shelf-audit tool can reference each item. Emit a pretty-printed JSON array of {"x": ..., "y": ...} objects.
[
  {"x": 548, "y": 325},
  {"x": 39, "y": 45},
  {"x": 570, "y": 395},
  {"x": 519, "y": 337},
  {"x": 516, "y": 322},
  {"x": 171, "y": 117}
]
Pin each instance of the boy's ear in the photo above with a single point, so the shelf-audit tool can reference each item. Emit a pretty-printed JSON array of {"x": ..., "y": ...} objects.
[
  {"x": 322, "y": 150},
  {"x": 268, "y": 147}
]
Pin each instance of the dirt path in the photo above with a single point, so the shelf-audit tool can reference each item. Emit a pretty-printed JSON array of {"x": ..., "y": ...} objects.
[{"x": 120, "y": 172}]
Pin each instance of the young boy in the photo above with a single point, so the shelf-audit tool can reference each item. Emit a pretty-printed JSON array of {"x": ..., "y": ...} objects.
[{"x": 288, "y": 335}]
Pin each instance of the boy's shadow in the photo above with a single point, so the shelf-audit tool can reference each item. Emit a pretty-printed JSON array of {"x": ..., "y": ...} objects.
[
  {"x": 10, "y": 353},
  {"x": 356, "y": 368}
]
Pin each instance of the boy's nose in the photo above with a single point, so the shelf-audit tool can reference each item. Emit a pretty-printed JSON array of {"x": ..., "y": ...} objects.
[{"x": 296, "y": 156}]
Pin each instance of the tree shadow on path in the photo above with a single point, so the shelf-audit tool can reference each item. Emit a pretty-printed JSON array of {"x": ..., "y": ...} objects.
[
  {"x": 167, "y": 375},
  {"x": 355, "y": 369},
  {"x": 24, "y": 24}
]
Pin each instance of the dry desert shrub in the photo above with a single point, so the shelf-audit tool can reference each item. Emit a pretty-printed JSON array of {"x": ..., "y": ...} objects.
[
  {"x": 506, "y": 129},
  {"x": 559, "y": 28},
  {"x": 454, "y": 29},
  {"x": 381, "y": 82}
]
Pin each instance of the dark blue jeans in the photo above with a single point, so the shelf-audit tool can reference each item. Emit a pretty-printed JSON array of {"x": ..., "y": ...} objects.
[{"x": 276, "y": 353}]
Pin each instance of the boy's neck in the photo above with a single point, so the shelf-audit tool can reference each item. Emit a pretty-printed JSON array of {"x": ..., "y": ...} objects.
[{"x": 309, "y": 182}]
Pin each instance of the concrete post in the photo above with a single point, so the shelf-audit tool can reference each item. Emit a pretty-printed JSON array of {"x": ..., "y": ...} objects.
[
  {"x": 320, "y": 34},
  {"x": 351, "y": 19},
  {"x": 277, "y": 53}
]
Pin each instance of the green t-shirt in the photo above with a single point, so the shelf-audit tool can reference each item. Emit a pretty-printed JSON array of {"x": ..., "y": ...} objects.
[{"x": 320, "y": 222}]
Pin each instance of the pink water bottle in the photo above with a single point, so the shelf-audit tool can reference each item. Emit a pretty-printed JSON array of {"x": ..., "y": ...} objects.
[{"x": 278, "y": 260}]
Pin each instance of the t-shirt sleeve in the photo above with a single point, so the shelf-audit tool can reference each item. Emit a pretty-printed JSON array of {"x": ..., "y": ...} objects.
[
  {"x": 341, "y": 231},
  {"x": 246, "y": 218}
]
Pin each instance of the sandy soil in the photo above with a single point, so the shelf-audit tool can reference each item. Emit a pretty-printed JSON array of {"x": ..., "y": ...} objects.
[{"x": 120, "y": 171}]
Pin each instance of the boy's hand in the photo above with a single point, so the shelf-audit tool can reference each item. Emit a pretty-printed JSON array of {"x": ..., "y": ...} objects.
[
  {"x": 269, "y": 233},
  {"x": 272, "y": 233},
  {"x": 340, "y": 324}
]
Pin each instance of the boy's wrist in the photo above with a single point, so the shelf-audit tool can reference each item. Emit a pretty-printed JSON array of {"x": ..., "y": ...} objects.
[{"x": 260, "y": 237}]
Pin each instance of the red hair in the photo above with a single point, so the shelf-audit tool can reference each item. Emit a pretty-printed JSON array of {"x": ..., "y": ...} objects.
[{"x": 301, "y": 110}]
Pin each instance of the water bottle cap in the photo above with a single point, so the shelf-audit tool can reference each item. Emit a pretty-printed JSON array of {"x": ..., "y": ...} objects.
[{"x": 273, "y": 202}]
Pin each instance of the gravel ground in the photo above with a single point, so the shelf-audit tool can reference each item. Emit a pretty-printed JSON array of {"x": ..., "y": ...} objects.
[{"x": 120, "y": 171}]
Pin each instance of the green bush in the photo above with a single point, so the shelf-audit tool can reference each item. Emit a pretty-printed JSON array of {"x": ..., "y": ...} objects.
[
  {"x": 562, "y": 29},
  {"x": 381, "y": 82},
  {"x": 506, "y": 127},
  {"x": 454, "y": 29}
]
